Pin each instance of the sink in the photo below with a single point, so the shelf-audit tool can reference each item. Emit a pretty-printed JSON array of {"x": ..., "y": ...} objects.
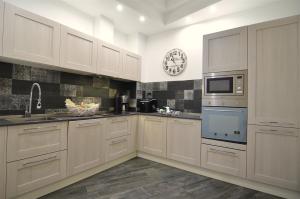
[{"x": 30, "y": 119}]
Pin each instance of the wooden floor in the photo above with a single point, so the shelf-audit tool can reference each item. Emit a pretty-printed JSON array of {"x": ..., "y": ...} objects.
[{"x": 143, "y": 179}]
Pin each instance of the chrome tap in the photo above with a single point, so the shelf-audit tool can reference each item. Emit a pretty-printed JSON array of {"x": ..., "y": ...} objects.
[{"x": 39, "y": 101}]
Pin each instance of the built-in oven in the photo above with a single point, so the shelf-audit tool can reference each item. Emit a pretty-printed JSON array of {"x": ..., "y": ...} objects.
[
  {"x": 224, "y": 123},
  {"x": 225, "y": 89}
]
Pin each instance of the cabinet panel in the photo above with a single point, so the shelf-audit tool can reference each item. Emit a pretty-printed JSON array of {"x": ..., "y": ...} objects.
[
  {"x": 110, "y": 60},
  {"x": 184, "y": 141},
  {"x": 32, "y": 173},
  {"x": 85, "y": 145},
  {"x": 225, "y": 51},
  {"x": 131, "y": 66},
  {"x": 78, "y": 50},
  {"x": 37, "y": 139},
  {"x": 273, "y": 156},
  {"x": 223, "y": 160},
  {"x": 117, "y": 147},
  {"x": 1, "y": 25},
  {"x": 117, "y": 127},
  {"x": 153, "y": 135},
  {"x": 30, "y": 37},
  {"x": 274, "y": 73},
  {"x": 3, "y": 134}
]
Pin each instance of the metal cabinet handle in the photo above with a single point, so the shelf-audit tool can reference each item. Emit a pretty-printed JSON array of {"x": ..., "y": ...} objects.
[
  {"x": 223, "y": 152},
  {"x": 275, "y": 131},
  {"x": 183, "y": 122},
  {"x": 88, "y": 124},
  {"x": 33, "y": 163},
  {"x": 119, "y": 141},
  {"x": 41, "y": 129}
]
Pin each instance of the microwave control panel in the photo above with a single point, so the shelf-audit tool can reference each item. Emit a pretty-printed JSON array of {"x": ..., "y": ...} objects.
[{"x": 239, "y": 84}]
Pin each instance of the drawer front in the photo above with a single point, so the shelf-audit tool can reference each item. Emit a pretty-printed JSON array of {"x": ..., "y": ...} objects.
[
  {"x": 225, "y": 160},
  {"x": 117, "y": 148},
  {"x": 117, "y": 127},
  {"x": 32, "y": 173},
  {"x": 32, "y": 140}
]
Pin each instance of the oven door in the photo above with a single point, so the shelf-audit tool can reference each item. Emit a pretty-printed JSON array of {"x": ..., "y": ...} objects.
[
  {"x": 222, "y": 85},
  {"x": 223, "y": 123}
]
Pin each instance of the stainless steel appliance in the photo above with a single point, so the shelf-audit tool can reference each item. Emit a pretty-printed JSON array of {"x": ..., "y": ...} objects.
[
  {"x": 225, "y": 89},
  {"x": 121, "y": 103},
  {"x": 225, "y": 123},
  {"x": 147, "y": 105}
]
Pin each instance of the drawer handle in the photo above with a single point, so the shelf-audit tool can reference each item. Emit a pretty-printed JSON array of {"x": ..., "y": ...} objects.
[
  {"x": 273, "y": 122},
  {"x": 277, "y": 132},
  {"x": 182, "y": 122},
  {"x": 223, "y": 152},
  {"x": 33, "y": 163},
  {"x": 88, "y": 124},
  {"x": 119, "y": 141},
  {"x": 40, "y": 129}
]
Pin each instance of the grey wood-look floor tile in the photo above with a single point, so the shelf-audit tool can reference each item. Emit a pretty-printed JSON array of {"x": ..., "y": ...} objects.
[{"x": 143, "y": 179}]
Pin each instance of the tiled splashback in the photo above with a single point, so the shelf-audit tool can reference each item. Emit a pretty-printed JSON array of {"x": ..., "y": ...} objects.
[
  {"x": 16, "y": 81},
  {"x": 179, "y": 95}
]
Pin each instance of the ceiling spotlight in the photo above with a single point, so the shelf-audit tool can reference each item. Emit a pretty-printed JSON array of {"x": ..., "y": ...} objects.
[
  {"x": 142, "y": 18},
  {"x": 119, "y": 7}
]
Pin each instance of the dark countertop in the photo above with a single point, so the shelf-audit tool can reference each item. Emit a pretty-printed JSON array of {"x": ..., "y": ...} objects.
[{"x": 37, "y": 119}]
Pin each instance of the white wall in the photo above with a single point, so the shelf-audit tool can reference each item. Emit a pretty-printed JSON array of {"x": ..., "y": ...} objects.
[{"x": 190, "y": 38}]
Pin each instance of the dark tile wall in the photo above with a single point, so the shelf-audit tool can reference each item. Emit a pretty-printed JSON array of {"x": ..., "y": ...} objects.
[
  {"x": 179, "y": 95},
  {"x": 16, "y": 81}
]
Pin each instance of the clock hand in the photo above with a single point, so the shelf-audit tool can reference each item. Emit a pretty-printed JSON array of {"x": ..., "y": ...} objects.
[{"x": 174, "y": 61}]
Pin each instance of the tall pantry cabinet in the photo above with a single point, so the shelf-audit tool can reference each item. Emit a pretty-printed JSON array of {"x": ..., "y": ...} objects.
[{"x": 273, "y": 150}]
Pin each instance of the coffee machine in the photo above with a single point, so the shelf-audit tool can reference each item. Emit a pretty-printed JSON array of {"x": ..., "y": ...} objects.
[{"x": 122, "y": 104}]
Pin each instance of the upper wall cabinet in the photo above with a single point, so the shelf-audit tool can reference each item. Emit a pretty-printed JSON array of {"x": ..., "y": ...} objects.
[
  {"x": 78, "y": 51},
  {"x": 274, "y": 73},
  {"x": 131, "y": 66},
  {"x": 109, "y": 60},
  {"x": 30, "y": 37},
  {"x": 225, "y": 51},
  {"x": 1, "y": 24}
]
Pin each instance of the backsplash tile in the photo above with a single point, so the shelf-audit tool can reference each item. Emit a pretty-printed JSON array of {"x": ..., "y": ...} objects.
[{"x": 6, "y": 70}]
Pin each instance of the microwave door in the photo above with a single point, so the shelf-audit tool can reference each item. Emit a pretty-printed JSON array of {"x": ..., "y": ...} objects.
[{"x": 219, "y": 86}]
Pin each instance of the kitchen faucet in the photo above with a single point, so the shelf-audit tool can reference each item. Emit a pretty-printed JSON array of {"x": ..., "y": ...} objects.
[{"x": 39, "y": 103}]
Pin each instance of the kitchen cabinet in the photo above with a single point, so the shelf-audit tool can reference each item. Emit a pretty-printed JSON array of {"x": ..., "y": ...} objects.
[
  {"x": 117, "y": 127},
  {"x": 273, "y": 156},
  {"x": 32, "y": 173},
  {"x": 110, "y": 60},
  {"x": 184, "y": 141},
  {"x": 225, "y": 51},
  {"x": 153, "y": 135},
  {"x": 78, "y": 51},
  {"x": 274, "y": 73},
  {"x": 3, "y": 134},
  {"x": 117, "y": 147},
  {"x": 85, "y": 145},
  {"x": 131, "y": 66},
  {"x": 224, "y": 160},
  {"x": 30, "y": 37},
  {"x": 27, "y": 141},
  {"x": 1, "y": 25},
  {"x": 133, "y": 134}
]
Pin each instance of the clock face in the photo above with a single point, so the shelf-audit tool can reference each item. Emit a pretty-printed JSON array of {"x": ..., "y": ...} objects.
[{"x": 174, "y": 62}]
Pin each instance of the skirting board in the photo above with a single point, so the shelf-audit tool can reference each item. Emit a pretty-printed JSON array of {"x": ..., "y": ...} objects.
[
  {"x": 71, "y": 180},
  {"x": 226, "y": 178}
]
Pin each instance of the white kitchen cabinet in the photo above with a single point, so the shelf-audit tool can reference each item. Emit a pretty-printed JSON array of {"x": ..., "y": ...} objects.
[
  {"x": 78, "y": 51},
  {"x": 110, "y": 60},
  {"x": 27, "y": 141},
  {"x": 273, "y": 156},
  {"x": 32, "y": 173},
  {"x": 133, "y": 134},
  {"x": 131, "y": 66},
  {"x": 1, "y": 25},
  {"x": 30, "y": 37},
  {"x": 184, "y": 141},
  {"x": 117, "y": 127},
  {"x": 274, "y": 73},
  {"x": 153, "y": 135},
  {"x": 225, "y": 51},
  {"x": 224, "y": 160},
  {"x": 117, "y": 147},
  {"x": 3, "y": 134},
  {"x": 85, "y": 145}
]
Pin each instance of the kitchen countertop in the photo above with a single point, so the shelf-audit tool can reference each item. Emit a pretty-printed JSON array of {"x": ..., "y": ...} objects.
[{"x": 44, "y": 118}]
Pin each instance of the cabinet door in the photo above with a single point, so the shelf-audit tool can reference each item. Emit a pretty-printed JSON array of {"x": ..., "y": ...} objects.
[
  {"x": 78, "y": 51},
  {"x": 133, "y": 134},
  {"x": 274, "y": 73},
  {"x": 30, "y": 37},
  {"x": 27, "y": 141},
  {"x": 224, "y": 160},
  {"x": 85, "y": 145},
  {"x": 109, "y": 60},
  {"x": 273, "y": 156},
  {"x": 184, "y": 140},
  {"x": 117, "y": 127},
  {"x": 117, "y": 147},
  {"x": 131, "y": 66},
  {"x": 225, "y": 51},
  {"x": 32, "y": 173},
  {"x": 1, "y": 25},
  {"x": 153, "y": 135},
  {"x": 3, "y": 133}
]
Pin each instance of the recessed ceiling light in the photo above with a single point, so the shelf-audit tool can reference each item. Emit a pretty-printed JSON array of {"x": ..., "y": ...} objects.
[
  {"x": 213, "y": 9},
  {"x": 142, "y": 18},
  {"x": 119, "y": 7}
]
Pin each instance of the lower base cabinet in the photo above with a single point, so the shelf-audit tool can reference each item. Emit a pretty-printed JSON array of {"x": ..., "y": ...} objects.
[
  {"x": 32, "y": 173},
  {"x": 117, "y": 147},
  {"x": 3, "y": 133},
  {"x": 224, "y": 160}
]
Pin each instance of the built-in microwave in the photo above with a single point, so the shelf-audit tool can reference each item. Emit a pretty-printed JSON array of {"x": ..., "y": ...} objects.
[{"x": 225, "y": 89}]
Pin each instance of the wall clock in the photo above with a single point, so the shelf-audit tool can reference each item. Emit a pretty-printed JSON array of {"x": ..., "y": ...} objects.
[{"x": 174, "y": 62}]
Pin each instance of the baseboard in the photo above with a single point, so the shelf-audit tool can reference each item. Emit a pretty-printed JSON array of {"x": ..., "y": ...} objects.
[
  {"x": 226, "y": 178},
  {"x": 73, "y": 179}
]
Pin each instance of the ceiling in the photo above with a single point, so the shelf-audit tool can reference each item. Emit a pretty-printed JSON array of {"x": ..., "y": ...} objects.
[{"x": 162, "y": 15}]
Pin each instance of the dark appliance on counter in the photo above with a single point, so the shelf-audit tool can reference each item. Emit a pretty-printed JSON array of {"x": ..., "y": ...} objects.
[
  {"x": 147, "y": 105},
  {"x": 121, "y": 104}
]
